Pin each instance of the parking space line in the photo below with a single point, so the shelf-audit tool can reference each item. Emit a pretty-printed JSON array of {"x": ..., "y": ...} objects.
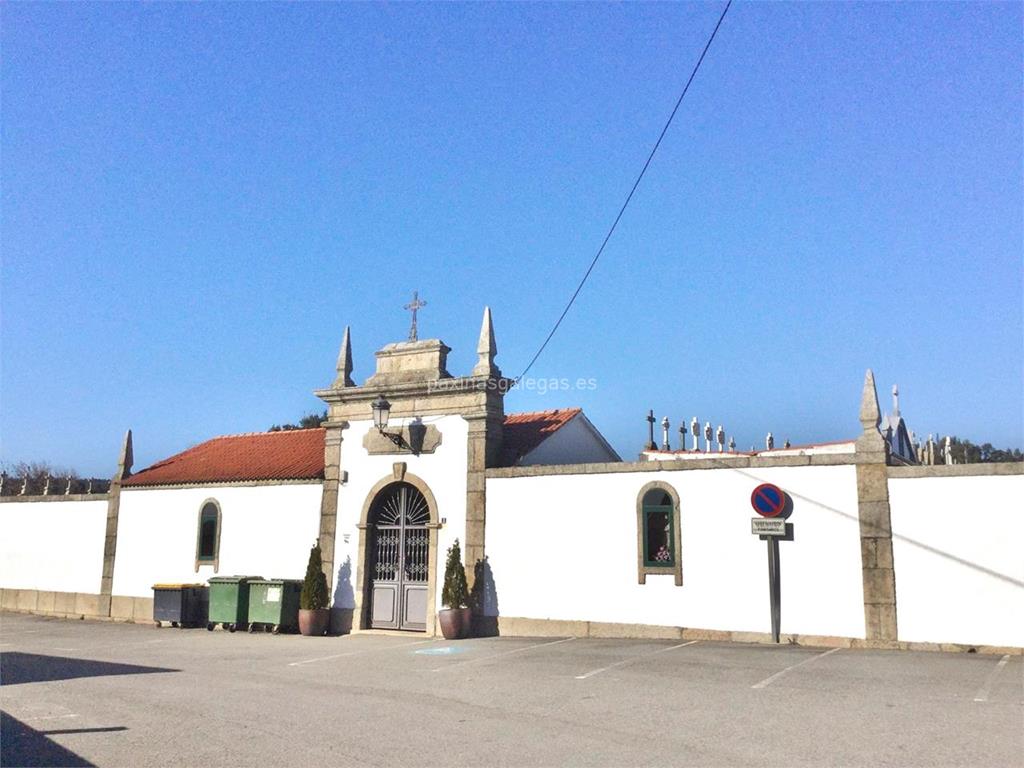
[
  {"x": 499, "y": 655},
  {"x": 769, "y": 680},
  {"x": 357, "y": 653},
  {"x": 982, "y": 694},
  {"x": 634, "y": 658}
]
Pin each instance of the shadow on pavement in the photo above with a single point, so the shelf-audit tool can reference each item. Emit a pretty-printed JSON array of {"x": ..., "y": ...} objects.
[
  {"x": 25, "y": 746},
  {"x": 17, "y": 668}
]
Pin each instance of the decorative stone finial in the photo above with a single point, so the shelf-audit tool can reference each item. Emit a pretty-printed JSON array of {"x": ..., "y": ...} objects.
[
  {"x": 732, "y": 445},
  {"x": 707, "y": 437},
  {"x": 486, "y": 348},
  {"x": 870, "y": 416},
  {"x": 769, "y": 441},
  {"x": 720, "y": 438},
  {"x": 896, "y": 400},
  {"x": 344, "y": 378},
  {"x": 695, "y": 431},
  {"x": 124, "y": 464},
  {"x": 871, "y": 441},
  {"x": 664, "y": 431}
]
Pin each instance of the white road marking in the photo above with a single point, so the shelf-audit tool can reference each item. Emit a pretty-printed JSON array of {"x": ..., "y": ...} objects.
[
  {"x": 769, "y": 680},
  {"x": 55, "y": 648},
  {"x": 24, "y": 632},
  {"x": 51, "y": 717},
  {"x": 634, "y": 658},
  {"x": 356, "y": 653},
  {"x": 982, "y": 694},
  {"x": 499, "y": 655}
]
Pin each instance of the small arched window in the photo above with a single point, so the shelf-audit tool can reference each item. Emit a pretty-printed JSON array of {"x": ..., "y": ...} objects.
[
  {"x": 208, "y": 535},
  {"x": 658, "y": 537}
]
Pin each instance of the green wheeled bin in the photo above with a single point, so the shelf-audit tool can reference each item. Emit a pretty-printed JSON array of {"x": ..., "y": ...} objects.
[
  {"x": 274, "y": 605},
  {"x": 229, "y": 602}
]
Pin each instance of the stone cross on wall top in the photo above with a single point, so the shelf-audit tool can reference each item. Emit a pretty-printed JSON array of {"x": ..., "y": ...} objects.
[{"x": 414, "y": 305}]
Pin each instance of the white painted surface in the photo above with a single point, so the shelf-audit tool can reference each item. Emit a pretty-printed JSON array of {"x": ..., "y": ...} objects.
[
  {"x": 958, "y": 549},
  {"x": 565, "y": 547},
  {"x": 444, "y": 471},
  {"x": 831, "y": 449},
  {"x": 266, "y": 530},
  {"x": 53, "y": 546},
  {"x": 577, "y": 442}
]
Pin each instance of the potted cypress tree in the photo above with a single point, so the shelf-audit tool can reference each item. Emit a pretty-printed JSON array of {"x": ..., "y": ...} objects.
[
  {"x": 314, "y": 615},
  {"x": 455, "y": 618}
]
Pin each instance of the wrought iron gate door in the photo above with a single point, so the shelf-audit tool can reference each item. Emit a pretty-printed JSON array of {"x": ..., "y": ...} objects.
[{"x": 401, "y": 554}]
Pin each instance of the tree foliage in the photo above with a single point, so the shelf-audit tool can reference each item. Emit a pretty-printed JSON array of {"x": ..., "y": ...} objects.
[
  {"x": 37, "y": 471},
  {"x": 966, "y": 452},
  {"x": 314, "y": 586},
  {"x": 456, "y": 592},
  {"x": 309, "y": 421}
]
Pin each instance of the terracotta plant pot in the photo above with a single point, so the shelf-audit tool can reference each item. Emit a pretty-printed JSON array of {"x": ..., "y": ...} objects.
[
  {"x": 313, "y": 623},
  {"x": 451, "y": 621}
]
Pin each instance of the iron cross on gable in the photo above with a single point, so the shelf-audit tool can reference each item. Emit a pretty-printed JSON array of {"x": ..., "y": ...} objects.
[{"x": 414, "y": 305}]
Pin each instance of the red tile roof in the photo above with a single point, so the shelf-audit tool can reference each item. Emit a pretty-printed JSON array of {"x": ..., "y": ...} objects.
[
  {"x": 525, "y": 431},
  {"x": 288, "y": 455},
  {"x": 299, "y": 454}
]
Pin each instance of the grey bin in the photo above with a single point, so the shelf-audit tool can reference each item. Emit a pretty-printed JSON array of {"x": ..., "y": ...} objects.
[{"x": 183, "y": 605}]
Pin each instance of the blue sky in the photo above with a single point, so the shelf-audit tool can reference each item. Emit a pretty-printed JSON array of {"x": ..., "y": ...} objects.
[{"x": 197, "y": 198}]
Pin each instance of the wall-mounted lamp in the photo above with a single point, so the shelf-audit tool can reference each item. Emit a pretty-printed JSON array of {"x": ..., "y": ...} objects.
[{"x": 381, "y": 410}]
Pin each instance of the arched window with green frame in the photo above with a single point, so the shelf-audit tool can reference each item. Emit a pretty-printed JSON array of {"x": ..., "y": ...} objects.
[
  {"x": 208, "y": 535},
  {"x": 658, "y": 536}
]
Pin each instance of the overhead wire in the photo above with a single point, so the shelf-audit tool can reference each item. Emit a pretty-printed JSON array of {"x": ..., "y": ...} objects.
[{"x": 629, "y": 197}]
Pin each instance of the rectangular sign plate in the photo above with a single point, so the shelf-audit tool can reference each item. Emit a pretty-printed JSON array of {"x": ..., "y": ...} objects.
[{"x": 768, "y": 526}]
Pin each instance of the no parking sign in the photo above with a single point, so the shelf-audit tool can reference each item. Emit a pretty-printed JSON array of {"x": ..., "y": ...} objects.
[{"x": 768, "y": 500}]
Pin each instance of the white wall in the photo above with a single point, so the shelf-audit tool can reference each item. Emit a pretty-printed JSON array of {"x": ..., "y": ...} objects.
[
  {"x": 574, "y": 443},
  {"x": 565, "y": 547},
  {"x": 52, "y": 546},
  {"x": 958, "y": 548},
  {"x": 444, "y": 471},
  {"x": 266, "y": 530}
]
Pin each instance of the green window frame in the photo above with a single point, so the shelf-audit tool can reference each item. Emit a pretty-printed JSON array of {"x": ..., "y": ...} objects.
[
  {"x": 208, "y": 535},
  {"x": 659, "y": 539},
  {"x": 659, "y": 544}
]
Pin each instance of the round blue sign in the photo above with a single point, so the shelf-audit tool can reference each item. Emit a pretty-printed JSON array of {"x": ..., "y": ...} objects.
[{"x": 768, "y": 500}]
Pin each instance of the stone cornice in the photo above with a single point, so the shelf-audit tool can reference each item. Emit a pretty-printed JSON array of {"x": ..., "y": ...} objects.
[
  {"x": 222, "y": 484},
  {"x": 56, "y": 497},
  {"x": 958, "y": 470},
  {"x": 726, "y": 462}
]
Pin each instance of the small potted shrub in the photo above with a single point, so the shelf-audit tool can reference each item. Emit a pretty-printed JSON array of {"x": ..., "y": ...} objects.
[
  {"x": 314, "y": 615},
  {"x": 455, "y": 618}
]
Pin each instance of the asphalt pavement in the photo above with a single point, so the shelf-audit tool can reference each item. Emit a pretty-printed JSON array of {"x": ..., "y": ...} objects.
[{"x": 105, "y": 694}]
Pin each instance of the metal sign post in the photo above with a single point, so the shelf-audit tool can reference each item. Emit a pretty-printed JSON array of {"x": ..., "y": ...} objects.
[
  {"x": 774, "y": 588},
  {"x": 769, "y": 501}
]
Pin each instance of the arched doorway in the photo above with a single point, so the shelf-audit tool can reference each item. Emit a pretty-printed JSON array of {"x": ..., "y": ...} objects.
[{"x": 398, "y": 529}]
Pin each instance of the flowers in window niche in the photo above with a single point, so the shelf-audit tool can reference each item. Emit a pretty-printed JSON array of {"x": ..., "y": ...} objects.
[{"x": 663, "y": 555}]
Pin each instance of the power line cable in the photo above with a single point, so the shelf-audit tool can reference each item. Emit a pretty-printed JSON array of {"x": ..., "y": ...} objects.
[{"x": 629, "y": 197}]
